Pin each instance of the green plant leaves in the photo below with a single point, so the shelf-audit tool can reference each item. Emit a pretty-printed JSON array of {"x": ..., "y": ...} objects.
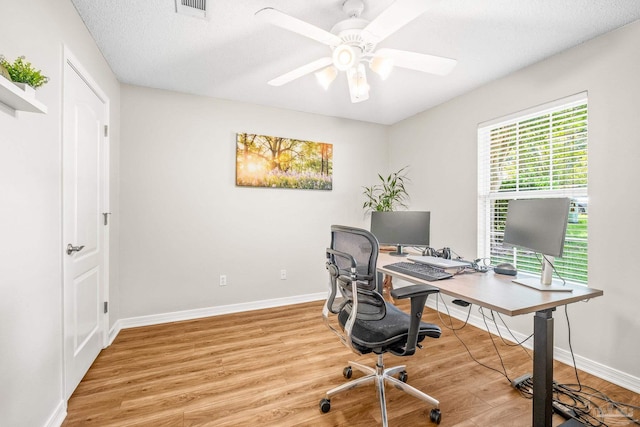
[
  {"x": 389, "y": 194},
  {"x": 21, "y": 71}
]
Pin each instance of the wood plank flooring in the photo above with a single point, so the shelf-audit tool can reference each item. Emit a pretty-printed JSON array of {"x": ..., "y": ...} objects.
[{"x": 271, "y": 368}]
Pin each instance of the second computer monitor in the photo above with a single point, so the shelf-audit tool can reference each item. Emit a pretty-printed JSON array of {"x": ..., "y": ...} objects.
[
  {"x": 539, "y": 225},
  {"x": 401, "y": 228}
]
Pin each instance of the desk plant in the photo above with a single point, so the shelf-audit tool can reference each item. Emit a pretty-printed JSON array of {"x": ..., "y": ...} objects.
[
  {"x": 389, "y": 194},
  {"x": 21, "y": 71}
]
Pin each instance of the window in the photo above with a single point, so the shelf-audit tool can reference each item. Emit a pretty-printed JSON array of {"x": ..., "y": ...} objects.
[{"x": 541, "y": 152}]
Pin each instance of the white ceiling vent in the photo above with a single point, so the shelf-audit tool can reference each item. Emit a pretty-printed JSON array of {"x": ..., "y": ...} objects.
[{"x": 195, "y": 8}]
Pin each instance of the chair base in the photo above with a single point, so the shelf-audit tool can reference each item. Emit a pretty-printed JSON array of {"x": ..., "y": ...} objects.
[{"x": 381, "y": 376}]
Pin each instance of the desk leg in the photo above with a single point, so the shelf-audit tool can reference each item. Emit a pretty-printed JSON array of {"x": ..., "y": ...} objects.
[
  {"x": 387, "y": 287},
  {"x": 543, "y": 368}
]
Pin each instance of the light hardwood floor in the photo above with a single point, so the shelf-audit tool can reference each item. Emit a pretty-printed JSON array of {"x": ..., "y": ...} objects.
[{"x": 271, "y": 368}]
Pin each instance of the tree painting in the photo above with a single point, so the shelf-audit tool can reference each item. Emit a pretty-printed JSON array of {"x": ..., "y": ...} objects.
[{"x": 277, "y": 162}]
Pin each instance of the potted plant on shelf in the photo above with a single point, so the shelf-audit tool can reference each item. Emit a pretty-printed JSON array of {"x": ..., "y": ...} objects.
[
  {"x": 23, "y": 75},
  {"x": 389, "y": 194}
]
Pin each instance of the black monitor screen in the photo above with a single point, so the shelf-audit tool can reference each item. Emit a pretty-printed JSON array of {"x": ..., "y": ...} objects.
[
  {"x": 539, "y": 225},
  {"x": 401, "y": 228}
]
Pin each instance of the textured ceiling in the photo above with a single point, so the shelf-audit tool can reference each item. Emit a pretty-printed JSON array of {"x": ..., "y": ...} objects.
[{"x": 232, "y": 54}]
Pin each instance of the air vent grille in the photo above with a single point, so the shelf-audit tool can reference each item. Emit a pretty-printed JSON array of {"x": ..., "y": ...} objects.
[{"x": 195, "y": 8}]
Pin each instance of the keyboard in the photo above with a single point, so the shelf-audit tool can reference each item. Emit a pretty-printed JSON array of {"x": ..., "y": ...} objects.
[{"x": 420, "y": 271}]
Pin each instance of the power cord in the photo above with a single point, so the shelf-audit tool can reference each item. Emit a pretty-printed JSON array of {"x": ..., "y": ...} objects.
[
  {"x": 449, "y": 314},
  {"x": 515, "y": 342},
  {"x": 453, "y": 329},
  {"x": 484, "y": 319},
  {"x": 575, "y": 401},
  {"x": 582, "y": 405}
]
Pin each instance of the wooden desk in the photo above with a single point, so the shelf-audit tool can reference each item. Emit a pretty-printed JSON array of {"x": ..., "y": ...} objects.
[{"x": 498, "y": 293}]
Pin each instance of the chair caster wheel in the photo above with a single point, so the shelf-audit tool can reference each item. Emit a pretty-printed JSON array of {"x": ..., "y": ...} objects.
[
  {"x": 347, "y": 372},
  {"x": 435, "y": 416},
  {"x": 325, "y": 405},
  {"x": 403, "y": 376}
]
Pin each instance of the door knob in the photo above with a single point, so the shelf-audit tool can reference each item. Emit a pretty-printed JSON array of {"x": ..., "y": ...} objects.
[{"x": 71, "y": 249}]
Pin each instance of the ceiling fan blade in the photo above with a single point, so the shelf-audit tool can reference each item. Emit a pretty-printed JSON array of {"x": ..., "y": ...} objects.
[
  {"x": 431, "y": 64},
  {"x": 287, "y": 22},
  {"x": 301, "y": 71},
  {"x": 400, "y": 13}
]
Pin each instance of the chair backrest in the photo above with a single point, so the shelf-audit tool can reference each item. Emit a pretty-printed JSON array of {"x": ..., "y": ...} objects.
[
  {"x": 362, "y": 246},
  {"x": 351, "y": 259}
]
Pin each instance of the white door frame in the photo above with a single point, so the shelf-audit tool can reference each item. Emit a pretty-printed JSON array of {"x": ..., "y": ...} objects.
[{"x": 72, "y": 61}]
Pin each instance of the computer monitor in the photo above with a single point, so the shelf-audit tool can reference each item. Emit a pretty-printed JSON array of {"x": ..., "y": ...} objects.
[
  {"x": 401, "y": 228},
  {"x": 539, "y": 225}
]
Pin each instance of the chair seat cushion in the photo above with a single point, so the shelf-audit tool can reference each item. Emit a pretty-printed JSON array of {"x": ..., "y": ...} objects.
[{"x": 387, "y": 334}]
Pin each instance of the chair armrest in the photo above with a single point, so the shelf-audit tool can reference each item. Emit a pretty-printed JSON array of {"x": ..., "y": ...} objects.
[
  {"x": 418, "y": 295},
  {"x": 413, "y": 291},
  {"x": 344, "y": 255}
]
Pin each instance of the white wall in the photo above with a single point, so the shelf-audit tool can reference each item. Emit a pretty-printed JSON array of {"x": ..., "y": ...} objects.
[
  {"x": 184, "y": 222},
  {"x": 604, "y": 330},
  {"x": 30, "y": 210}
]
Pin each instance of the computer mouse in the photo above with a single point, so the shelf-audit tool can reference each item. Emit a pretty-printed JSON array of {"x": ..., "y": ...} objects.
[{"x": 505, "y": 268}]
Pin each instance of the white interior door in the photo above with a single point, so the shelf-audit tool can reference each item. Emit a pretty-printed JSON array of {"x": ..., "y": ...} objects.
[{"x": 84, "y": 202}]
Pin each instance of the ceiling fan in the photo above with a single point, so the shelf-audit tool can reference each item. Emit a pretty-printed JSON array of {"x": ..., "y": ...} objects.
[{"x": 353, "y": 42}]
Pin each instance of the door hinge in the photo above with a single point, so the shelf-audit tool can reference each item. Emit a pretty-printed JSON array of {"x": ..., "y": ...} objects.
[
  {"x": 106, "y": 217},
  {"x": 106, "y": 130},
  {"x": 106, "y": 307}
]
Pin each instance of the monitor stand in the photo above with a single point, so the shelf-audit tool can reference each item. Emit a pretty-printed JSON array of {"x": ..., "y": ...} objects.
[
  {"x": 398, "y": 251},
  {"x": 545, "y": 281}
]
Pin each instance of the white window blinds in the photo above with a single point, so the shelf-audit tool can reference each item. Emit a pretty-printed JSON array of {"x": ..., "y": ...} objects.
[{"x": 538, "y": 153}]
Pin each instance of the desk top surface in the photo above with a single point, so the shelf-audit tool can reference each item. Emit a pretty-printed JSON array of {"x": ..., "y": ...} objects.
[{"x": 497, "y": 292}]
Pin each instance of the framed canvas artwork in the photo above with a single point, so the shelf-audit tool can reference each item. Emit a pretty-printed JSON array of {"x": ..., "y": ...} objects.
[{"x": 278, "y": 162}]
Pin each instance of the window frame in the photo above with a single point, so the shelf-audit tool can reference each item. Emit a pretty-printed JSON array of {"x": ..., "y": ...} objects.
[{"x": 487, "y": 198}]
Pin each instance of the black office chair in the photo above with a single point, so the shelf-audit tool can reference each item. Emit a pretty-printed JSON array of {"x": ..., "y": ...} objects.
[{"x": 369, "y": 324}]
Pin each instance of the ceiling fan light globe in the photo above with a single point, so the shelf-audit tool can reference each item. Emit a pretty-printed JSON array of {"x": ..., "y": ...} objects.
[
  {"x": 344, "y": 57},
  {"x": 358, "y": 85},
  {"x": 381, "y": 66},
  {"x": 326, "y": 76}
]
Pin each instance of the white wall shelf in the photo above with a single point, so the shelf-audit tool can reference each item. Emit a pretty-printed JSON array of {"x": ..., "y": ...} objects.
[{"x": 14, "y": 98}]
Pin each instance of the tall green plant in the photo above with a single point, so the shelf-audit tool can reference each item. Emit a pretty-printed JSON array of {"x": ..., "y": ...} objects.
[{"x": 389, "y": 194}]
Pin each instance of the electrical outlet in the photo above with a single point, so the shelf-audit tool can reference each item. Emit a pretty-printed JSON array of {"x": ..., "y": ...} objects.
[
  {"x": 223, "y": 280},
  {"x": 283, "y": 274}
]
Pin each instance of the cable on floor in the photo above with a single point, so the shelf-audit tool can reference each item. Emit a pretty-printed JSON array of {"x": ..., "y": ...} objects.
[
  {"x": 580, "y": 402},
  {"x": 576, "y": 401}
]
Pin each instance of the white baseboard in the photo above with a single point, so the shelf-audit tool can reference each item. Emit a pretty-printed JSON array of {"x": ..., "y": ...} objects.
[
  {"x": 176, "y": 316},
  {"x": 601, "y": 371},
  {"x": 58, "y": 415}
]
